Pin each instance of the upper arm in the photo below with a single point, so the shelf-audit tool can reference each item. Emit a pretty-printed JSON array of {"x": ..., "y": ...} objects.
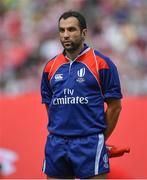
[
  {"x": 46, "y": 92},
  {"x": 114, "y": 103},
  {"x": 110, "y": 82}
]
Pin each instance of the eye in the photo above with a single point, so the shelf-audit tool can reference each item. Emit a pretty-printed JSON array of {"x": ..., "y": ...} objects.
[
  {"x": 61, "y": 30},
  {"x": 72, "y": 29}
]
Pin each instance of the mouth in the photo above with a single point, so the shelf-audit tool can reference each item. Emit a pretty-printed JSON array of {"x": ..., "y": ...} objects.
[{"x": 67, "y": 42}]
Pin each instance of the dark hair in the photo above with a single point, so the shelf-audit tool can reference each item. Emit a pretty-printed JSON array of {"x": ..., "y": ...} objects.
[{"x": 77, "y": 15}]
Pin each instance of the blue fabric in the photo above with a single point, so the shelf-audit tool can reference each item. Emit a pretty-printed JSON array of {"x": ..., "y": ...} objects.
[
  {"x": 46, "y": 91},
  {"x": 74, "y": 157},
  {"x": 75, "y": 99},
  {"x": 110, "y": 83}
]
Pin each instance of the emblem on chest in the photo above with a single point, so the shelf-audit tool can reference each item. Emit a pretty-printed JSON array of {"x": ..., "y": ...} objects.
[
  {"x": 81, "y": 74},
  {"x": 58, "y": 77}
]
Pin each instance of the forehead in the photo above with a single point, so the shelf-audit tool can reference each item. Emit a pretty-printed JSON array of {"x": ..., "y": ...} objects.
[{"x": 71, "y": 21}]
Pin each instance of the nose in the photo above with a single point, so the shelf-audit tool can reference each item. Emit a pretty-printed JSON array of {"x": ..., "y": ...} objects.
[{"x": 66, "y": 34}]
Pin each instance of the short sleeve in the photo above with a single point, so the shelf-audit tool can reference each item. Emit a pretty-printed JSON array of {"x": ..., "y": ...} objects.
[
  {"x": 46, "y": 92},
  {"x": 109, "y": 80}
]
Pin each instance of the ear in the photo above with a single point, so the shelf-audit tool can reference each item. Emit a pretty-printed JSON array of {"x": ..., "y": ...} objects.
[{"x": 84, "y": 33}]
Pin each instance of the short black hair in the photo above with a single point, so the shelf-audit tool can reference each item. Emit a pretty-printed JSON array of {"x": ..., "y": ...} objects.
[{"x": 77, "y": 15}]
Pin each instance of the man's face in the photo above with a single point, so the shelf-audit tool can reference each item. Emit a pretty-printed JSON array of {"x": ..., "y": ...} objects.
[{"x": 71, "y": 36}]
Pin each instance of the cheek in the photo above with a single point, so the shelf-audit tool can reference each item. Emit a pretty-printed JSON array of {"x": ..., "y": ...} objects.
[
  {"x": 76, "y": 36},
  {"x": 60, "y": 37}
]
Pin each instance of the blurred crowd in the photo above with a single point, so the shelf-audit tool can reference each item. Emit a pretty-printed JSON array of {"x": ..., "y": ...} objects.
[{"x": 29, "y": 38}]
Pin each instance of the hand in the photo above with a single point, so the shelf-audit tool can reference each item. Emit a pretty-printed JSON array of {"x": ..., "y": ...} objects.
[{"x": 114, "y": 151}]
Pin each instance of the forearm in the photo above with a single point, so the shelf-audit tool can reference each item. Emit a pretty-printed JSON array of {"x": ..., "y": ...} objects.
[
  {"x": 112, "y": 115},
  {"x": 47, "y": 108}
]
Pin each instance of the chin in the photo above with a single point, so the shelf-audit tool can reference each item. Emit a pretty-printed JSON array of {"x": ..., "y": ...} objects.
[{"x": 68, "y": 48}]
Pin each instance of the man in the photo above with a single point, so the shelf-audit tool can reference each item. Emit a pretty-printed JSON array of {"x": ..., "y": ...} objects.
[{"x": 75, "y": 84}]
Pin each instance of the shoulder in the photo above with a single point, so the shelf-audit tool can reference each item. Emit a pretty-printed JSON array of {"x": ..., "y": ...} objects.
[
  {"x": 104, "y": 61},
  {"x": 50, "y": 63}
]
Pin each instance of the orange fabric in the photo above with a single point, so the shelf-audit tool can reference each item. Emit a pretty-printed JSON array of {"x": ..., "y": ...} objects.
[
  {"x": 54, "y": 64},
  {"x": 89, "y": 60},
  {"x": 102, "y": 63}
]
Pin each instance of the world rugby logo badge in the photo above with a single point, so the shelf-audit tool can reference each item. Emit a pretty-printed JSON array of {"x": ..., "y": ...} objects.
[{"x": 81, "y": 74}]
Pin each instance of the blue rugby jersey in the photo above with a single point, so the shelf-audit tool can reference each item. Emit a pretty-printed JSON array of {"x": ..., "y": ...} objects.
[{"x": 76, "y": 91}]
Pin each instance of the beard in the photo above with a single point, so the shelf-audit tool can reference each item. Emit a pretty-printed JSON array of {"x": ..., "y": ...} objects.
[{"x": 72, "y": 46}]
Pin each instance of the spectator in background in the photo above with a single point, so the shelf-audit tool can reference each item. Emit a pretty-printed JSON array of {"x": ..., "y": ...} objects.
[{"x": 119, "y": 25}]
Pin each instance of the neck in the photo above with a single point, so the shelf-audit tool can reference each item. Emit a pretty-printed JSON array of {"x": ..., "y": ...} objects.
[{"x": 72, "y": 55}]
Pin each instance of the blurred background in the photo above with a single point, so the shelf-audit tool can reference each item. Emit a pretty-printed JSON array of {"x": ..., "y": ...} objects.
[{"x": 29, "y": 38}]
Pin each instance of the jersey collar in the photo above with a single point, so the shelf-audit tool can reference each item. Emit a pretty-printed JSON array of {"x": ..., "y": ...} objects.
[{"x": 85, "y": 50}]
